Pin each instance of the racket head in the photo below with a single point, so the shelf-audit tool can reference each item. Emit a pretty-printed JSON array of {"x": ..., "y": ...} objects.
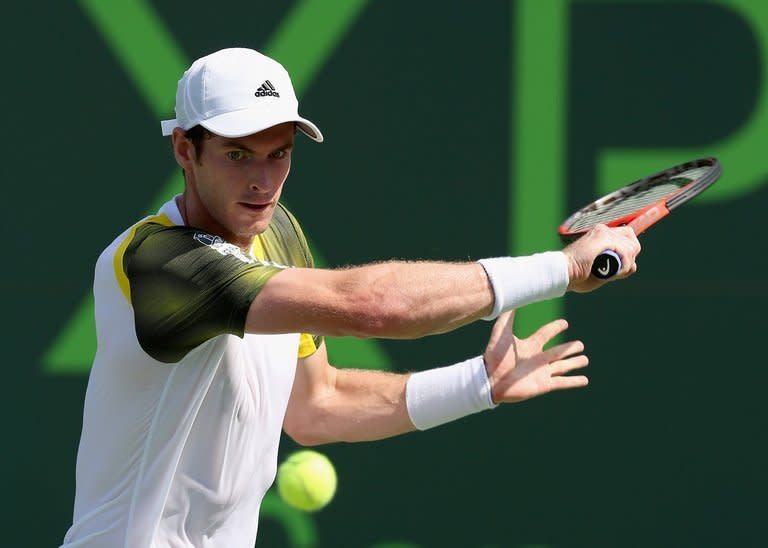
[{"x": 644, "y": 202}]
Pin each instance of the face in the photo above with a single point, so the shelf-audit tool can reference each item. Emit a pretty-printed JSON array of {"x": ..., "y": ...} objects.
[{"x": 234, "y": 186}]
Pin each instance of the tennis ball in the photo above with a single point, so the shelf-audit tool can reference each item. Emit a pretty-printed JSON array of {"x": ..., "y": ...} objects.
[{"x": 306, "y": 480}]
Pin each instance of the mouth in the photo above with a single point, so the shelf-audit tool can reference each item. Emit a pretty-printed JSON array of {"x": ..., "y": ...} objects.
[{"x": 256, "y": 207}]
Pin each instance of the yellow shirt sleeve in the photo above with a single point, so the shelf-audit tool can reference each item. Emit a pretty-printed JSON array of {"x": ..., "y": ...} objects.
[{"x": 306, "y": 345}]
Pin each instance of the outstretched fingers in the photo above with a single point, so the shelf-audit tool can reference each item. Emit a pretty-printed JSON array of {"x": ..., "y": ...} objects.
[
  {"x": 563, "y": 351},
  {"x": 549, "y": 331},
  {"x": 563, "y": 359},
  {"x": 565, "y": 383},
  {"x": 561, "y": 367}
]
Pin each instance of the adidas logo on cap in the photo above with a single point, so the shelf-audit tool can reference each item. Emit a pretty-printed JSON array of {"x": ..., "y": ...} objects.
[{"x": 267, "y": 90}]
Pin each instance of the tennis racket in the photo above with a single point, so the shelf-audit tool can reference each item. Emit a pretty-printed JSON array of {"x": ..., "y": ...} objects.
[{"x": 640, "y": 205}]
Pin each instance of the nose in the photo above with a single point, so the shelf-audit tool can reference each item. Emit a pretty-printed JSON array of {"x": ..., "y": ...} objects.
[{"x": 259, "y": 178}]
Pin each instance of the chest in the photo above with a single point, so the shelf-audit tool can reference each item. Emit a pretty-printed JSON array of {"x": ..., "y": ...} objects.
[{"x": 256, "y": 375}]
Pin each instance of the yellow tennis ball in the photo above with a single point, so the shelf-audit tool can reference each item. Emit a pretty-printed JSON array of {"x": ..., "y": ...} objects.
[{"x": 306, "y": 480}]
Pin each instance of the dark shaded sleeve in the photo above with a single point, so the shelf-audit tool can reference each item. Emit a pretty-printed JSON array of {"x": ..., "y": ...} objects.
[{"x": 188, "y": 286}]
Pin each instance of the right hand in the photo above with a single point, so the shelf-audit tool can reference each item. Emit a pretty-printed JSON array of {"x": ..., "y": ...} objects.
[{"x": 583, "y": 252}]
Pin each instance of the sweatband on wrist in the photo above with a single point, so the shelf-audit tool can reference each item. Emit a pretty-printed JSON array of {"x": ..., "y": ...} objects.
[
  {"x": 518, "y": 281},
  {"x": 441, "y": 395}
]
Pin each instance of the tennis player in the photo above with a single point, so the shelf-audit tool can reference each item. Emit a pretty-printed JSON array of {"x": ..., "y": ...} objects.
[{"x": 210, "y": 321}]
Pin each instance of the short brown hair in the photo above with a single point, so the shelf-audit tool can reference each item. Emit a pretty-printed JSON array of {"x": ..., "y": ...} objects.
[{"x": 197, "y": 134}]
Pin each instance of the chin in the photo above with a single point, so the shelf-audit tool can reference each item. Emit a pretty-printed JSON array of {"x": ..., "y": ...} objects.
[
  {"x": 250, "y": 225},
  {"x": 254, "y": 228},
  {"x": 259, "y": 229}
]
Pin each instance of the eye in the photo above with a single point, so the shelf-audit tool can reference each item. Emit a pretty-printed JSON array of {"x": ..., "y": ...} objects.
[
  {"x": 236, "y": 155},
  {"x": 278, "y": 154}
]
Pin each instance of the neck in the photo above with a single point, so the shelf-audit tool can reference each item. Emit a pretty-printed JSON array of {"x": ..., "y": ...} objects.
[{"x": 195, "y": 214}]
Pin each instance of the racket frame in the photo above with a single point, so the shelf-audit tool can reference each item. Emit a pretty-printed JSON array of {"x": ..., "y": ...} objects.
[{"x": 654, "y": 212}]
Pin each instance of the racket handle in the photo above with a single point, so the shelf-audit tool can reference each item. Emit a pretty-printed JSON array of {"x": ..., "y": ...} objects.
[{"x": 606, "y": 265}]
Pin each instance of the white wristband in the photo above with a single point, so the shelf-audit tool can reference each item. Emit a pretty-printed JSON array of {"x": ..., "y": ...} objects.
[
  {"x": 437, "y": 396},
  {"x": 518, "y": 281}
]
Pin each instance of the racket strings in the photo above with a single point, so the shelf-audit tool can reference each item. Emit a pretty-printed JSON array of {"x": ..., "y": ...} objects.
[{"x": 636, "y": 199}]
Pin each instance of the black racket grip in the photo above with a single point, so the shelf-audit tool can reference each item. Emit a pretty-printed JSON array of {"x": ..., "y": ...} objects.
[{"x": 606, "y": 265}]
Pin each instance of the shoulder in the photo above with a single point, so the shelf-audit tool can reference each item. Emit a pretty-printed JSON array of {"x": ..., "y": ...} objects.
[
  {"x": 168, "y": 240},
  {"x": 110, "y": 263},
  {"x": 182, "y": 249}
]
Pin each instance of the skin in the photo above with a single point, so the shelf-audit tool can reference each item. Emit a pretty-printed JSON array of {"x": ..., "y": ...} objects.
[{"x": 232, "y": 190}]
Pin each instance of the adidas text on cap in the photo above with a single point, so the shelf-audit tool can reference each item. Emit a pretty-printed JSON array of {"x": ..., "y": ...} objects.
[{"x": 237, "y": 92}]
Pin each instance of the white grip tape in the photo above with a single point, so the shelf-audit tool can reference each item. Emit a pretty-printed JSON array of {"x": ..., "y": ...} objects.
[
  {"x": 441, "y": 395},
  {"x": 518, "y": 281}
]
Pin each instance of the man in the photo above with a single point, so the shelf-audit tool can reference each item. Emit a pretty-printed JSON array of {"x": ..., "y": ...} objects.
[{"x": 202, "y": 310}]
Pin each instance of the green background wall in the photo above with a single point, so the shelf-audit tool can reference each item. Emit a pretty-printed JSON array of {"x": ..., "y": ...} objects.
[{"x": 453, "y": 131}]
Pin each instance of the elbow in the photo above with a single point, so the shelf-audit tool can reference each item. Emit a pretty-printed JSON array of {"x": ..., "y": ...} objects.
[
  {"x": 304, "y": 429},
  {"x": 305, "y": 439}
]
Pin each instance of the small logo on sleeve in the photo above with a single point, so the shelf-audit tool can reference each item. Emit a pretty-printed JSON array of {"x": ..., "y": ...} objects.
[
  {"x": 207, "y": 239},
  {"x": 225, "y": 248}
]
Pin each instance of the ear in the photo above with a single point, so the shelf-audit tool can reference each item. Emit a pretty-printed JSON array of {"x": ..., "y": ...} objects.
[{"x": 183, "y": 149}]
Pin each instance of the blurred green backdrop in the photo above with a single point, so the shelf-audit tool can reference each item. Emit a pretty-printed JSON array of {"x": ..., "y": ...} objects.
[{"x": 465, "y": 129}]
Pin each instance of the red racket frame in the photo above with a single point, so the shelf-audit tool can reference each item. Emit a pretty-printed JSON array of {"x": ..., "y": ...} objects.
[{"x": 649, "y": 215}]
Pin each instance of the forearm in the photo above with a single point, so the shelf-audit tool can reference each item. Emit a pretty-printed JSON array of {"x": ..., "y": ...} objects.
[
  {"x": 359, "y": 405},
  {"x": 330, "y": 405},
  {"x": 403, "y": 300},
  {"x": 377, "y": 399},
  {"x": 419, "y": 299}
]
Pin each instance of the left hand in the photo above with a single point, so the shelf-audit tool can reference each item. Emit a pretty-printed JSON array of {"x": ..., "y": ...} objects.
[{"x": 519, "y": 369}]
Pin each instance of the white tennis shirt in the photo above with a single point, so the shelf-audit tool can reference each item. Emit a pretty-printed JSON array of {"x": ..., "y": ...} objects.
[{"x": 179, "y": 451}]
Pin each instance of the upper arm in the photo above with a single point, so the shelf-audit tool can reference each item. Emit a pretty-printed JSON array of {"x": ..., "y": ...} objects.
[
  {"x": 314, "y": 382},
  {"x": 304, "y": 300},
  {"x": 338, "y": 302},
  {"x": 314, "y": 375},
  {"x": 283, "y": 242}
]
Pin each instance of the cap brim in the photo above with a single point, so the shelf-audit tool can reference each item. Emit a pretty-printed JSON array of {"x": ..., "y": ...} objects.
[
  {"x": 249, "y": 121},
  {"x": 167, "y": 126}
]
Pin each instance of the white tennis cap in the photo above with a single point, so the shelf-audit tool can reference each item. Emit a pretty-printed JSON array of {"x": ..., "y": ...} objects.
[{"x": 237, "y": 92}]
